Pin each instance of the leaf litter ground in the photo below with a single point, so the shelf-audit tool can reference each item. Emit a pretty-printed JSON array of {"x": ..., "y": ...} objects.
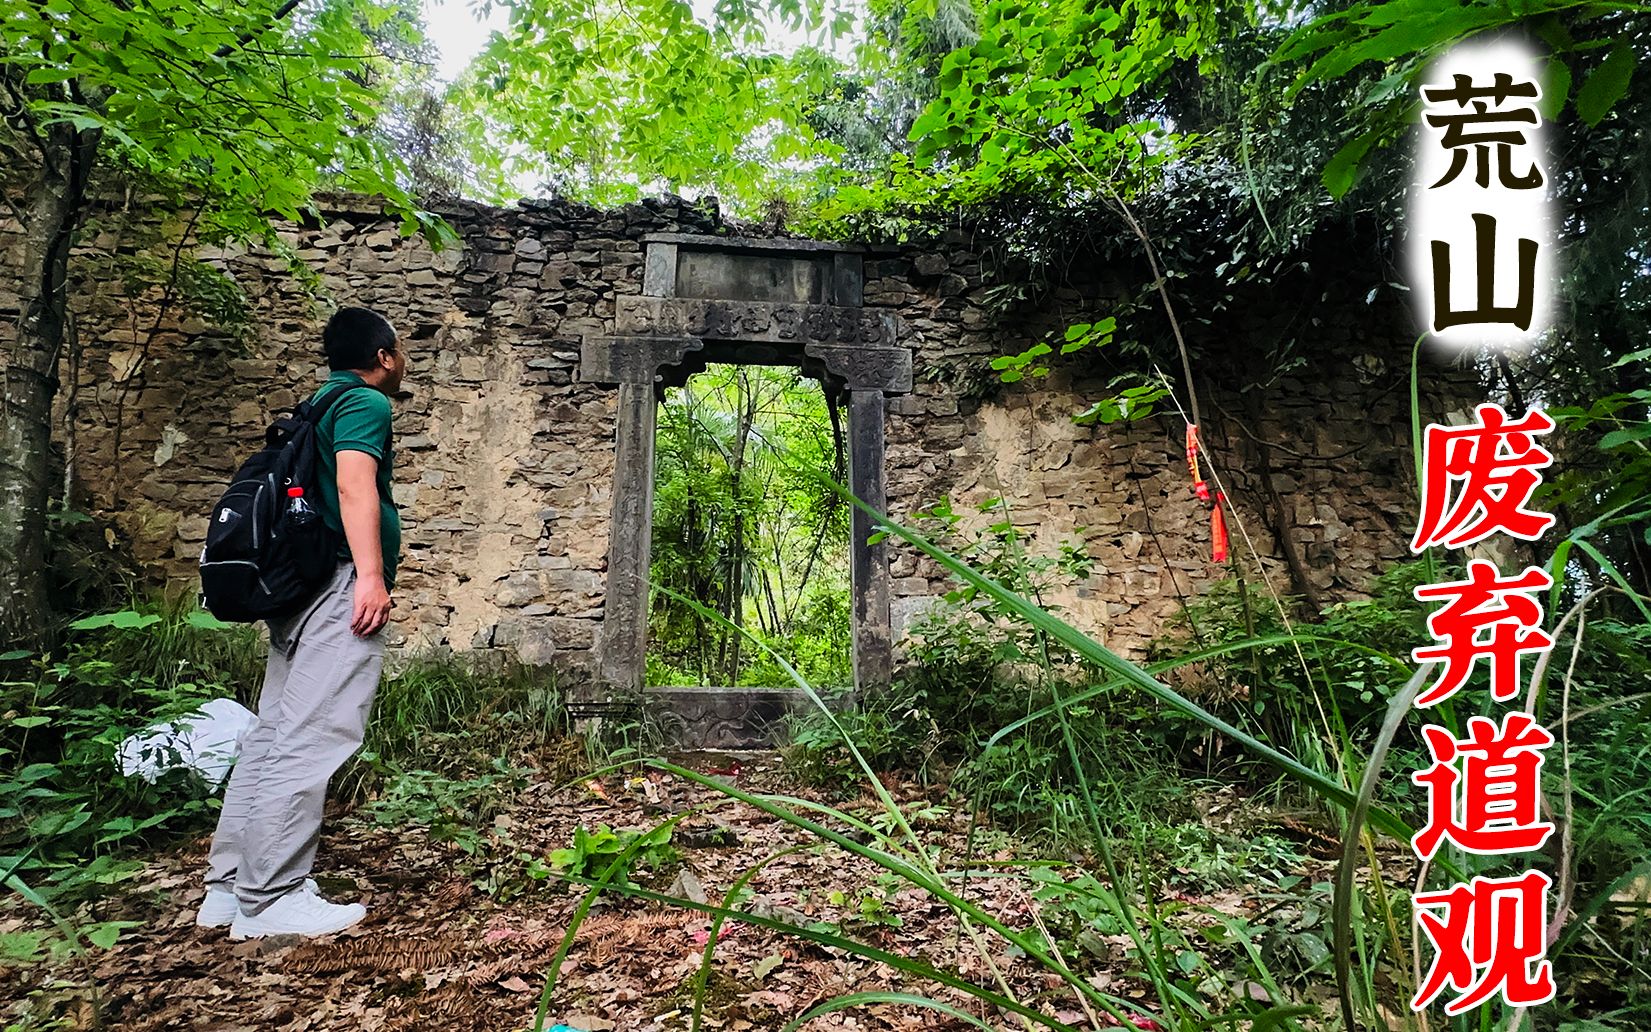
[{"x": 458, "y": 940}]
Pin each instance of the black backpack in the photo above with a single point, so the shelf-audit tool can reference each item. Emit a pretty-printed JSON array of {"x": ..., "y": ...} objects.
[{"x": 259, "y": 563}]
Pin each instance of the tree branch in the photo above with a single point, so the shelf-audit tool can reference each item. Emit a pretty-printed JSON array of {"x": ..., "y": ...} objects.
[
  {"x": 19, "y": 110},
  {"x": 245, "y": 38}
]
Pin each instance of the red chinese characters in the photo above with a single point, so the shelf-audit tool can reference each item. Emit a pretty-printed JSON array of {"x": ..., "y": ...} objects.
[
  {"x": 1493, "y": 466},
  {"x": 1490, "y": 806},
  {"x": 1487, "y": 938},
  {"x": 1488, "y": 617},
  {"x": 1484, "y": 790}
]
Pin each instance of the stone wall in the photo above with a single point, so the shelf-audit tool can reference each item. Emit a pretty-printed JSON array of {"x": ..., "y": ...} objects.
[
  {"x": 505, "y": 460},
  {"x": 1336, "y": 472}
]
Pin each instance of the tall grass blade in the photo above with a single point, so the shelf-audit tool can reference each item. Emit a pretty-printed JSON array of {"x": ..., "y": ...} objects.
[
  {"x": 861, "y": 999},
  {"x": 1164, "y": 666},
  {"x": 703, "y": 977},
  {"x": 1612, "y": 572},
  {"x": 616, "y": 867},
  {"x": 1130, "y": 673},
  {"x": 896, "y": 865},
  {"x": 906, "y": 965},
  {"x": 1342, "y": 905}
]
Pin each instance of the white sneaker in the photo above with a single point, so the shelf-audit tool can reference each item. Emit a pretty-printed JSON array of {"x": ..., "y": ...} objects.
[
  {"x": 220, "y": 906},
  {"x": 300, "y": 912}
]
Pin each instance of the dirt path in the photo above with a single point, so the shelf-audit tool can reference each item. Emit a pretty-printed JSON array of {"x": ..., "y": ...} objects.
[{"x": 456, "y": 941}]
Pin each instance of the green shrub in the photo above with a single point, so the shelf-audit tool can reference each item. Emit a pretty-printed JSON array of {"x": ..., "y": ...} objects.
[
  {"x": 452, "y": 717},
  {"x": 68, "y": 817},
  {"x": 451, "y": 810},
  {"x": 591, "y": 853},
  {"x": 971, "y": 669},
  {"x": 70, "y": 822}
]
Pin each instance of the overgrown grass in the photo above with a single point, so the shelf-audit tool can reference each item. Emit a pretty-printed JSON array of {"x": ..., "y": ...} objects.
[
  {"x": 72, "y": 826},
  {"x": 68, "y": 818},
  {"x": 447, "y": 716},
  {"x": 1233, "y": 704},
  {"x": 1045, "y": 730}
]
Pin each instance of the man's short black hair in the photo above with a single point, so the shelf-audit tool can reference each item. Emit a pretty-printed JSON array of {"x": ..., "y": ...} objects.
[{"x": 354, "y": 337}]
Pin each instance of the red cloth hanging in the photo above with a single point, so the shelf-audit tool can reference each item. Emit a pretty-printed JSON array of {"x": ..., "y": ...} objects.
[
  {"x": 1218, "y": 523},
  {"x": 1218, "y": 531},
  {"x": 1198, "y": 486}
]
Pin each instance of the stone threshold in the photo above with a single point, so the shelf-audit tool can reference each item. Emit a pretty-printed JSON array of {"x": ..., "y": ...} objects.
[{"x": 717, "y": 717}]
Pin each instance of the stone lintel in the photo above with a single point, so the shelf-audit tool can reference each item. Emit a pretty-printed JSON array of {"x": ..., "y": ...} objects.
[
  {"x": 882, "y": 369},
  {"x": 701, "y": 242},
  {"x": 628, "y": 359},
  {"x": 769, "y": 321}
]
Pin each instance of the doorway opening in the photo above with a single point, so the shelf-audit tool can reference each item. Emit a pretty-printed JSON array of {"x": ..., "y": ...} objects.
[{"x": 743, "y": 526}]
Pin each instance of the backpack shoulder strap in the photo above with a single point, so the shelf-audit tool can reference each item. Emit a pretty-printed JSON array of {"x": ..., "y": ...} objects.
[
  {"x": 314, "y": 410},
  {"x": 309, "y": 411}
]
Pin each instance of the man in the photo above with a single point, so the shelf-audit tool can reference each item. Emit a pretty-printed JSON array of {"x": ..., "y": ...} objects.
[{"x": 324, "y": 662}]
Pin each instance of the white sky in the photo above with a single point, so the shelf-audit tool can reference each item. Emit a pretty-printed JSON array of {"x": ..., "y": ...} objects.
[{"x": 458, "y": 32}]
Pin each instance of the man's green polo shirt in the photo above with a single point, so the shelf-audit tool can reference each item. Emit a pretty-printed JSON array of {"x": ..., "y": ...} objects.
[{"x": 359, "y": 421}]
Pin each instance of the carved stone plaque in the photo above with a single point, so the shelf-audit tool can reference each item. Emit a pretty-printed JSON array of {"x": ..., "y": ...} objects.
[
  {"x": 781, "y": 278},
  {"x": 753, "y": 320}
]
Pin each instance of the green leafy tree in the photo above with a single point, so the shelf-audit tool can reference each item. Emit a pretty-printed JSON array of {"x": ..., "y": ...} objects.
[
  {"x": 605, "y": 102},
  {"x": 420, "y": 119},
  {"x": 245, "y": 107},
  {"x": 744, "y": 527},
  {"x": 1591, "y": 368},
  {"x": 1039, "y": 99},
  {"x": 869, "y": 107}
]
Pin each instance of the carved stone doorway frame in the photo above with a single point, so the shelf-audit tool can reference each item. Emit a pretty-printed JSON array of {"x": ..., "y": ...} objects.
[{"x": 754, "y": 302}]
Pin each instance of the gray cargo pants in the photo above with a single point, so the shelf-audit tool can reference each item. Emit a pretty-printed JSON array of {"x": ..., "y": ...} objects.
[{"x": 312, "y": 714}]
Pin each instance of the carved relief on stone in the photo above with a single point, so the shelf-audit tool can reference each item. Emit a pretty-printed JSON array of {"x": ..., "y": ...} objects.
[
  {"x": 884, "y": 369},
  {"x": 631, "y": 359},
  {"x": 765, "y": 321},
  {"x": 721, "y": 718}
]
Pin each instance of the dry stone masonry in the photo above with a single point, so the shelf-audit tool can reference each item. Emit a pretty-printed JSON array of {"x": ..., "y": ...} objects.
[{"x": 524, "y": 370}]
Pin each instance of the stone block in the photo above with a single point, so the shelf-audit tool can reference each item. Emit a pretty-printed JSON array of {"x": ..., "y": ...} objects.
[
  {"x": 537, "y": 639},
  {"x": 575, "y": 582},
  {"x": 517, "y": 589},
  {"x": 558, "y": 274},
  {"x": 930, "y": 264}
]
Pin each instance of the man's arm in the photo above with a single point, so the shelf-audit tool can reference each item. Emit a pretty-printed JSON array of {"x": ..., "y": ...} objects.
[{"x": 359, "y": 511}]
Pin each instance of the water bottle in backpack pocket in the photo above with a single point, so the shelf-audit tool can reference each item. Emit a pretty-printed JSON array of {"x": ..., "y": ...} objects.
[{"x": 268, "y": 552}]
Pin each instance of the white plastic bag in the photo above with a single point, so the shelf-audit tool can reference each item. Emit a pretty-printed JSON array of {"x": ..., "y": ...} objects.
[{"x": 206, "y": 741}]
